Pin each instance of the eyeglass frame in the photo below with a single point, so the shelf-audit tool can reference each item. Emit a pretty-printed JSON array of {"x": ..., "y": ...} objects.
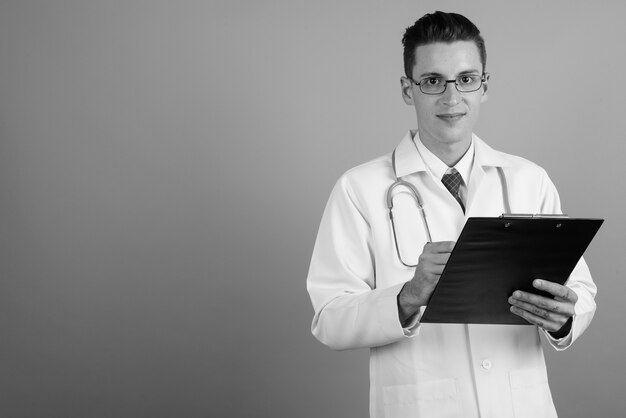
[{"x": 483, "y": 79}]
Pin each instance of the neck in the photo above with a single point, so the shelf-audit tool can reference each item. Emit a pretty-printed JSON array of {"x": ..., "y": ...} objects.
[{"x": 449, "y": 153}]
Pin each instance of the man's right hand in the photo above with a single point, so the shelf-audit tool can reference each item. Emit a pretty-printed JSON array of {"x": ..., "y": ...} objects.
[{"x": 416, "y": 292}]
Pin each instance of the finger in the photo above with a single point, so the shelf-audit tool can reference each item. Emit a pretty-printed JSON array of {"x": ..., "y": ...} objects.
[
  {"x": 536, "y": 320},
  {"x": 439, "y": 246},
  {"x": 557, "y": 315},
  {"x": 549, "y": 304},
  {"x": 558, "y": 290},
  {"x": 435, "y": 270},
  {"x": 438, "y": 259}
]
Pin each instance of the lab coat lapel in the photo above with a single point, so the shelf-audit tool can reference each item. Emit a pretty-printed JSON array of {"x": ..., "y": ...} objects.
[
  {"x": 482, "y": 198},
  {"x": 407, "y": 158}
]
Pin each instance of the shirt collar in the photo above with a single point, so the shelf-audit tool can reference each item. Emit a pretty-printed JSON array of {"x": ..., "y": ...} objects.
[
  {"x": 438, "y": 168},
  {"x": 408, "y": 159}
]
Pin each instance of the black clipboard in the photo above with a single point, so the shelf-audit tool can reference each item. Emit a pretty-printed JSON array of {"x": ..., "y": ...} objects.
[{"x": 495, "y": 256}]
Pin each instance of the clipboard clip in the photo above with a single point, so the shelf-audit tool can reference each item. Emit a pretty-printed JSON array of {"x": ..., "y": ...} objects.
[{"x": 534, "y": 216}]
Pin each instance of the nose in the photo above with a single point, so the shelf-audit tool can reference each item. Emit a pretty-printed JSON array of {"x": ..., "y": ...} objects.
[{"x": 451, "y": 96}]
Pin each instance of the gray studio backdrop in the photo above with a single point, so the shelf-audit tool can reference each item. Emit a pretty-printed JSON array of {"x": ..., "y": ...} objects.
[{"x": 164, "y": 166}]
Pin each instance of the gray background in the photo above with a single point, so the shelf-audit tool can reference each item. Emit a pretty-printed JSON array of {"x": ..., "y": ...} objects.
[{"x": 164, "y": 166}]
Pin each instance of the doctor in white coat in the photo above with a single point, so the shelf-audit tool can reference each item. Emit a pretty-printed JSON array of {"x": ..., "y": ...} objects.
[{"x": 365, "y": 292}]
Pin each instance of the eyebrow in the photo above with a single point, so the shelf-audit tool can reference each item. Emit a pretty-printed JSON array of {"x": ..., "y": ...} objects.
[{"x": 434, "y": 74}]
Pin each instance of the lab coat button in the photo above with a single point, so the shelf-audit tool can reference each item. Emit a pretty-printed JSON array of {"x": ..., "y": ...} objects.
[{"x": 486, "y": 363}]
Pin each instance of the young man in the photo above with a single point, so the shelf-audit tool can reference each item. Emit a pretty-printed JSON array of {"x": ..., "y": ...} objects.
[{"x": 368, "y": 293}]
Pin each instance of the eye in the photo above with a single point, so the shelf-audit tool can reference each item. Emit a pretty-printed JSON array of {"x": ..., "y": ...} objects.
[
  {"x": 467, "y": 79},
  {"x": 432, "y": 81}
]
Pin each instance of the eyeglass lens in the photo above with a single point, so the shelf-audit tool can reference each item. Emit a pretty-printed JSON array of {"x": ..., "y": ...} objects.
[{"x": 463, "y": 83}]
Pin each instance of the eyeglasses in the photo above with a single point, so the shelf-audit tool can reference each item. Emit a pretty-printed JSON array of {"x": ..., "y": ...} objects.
[{"x": 465, "y": 83}]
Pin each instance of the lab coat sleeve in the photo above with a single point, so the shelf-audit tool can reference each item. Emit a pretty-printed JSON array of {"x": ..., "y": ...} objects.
[
  {"x": 350, "y": 312},
  {"x": 580, "y": 280}
]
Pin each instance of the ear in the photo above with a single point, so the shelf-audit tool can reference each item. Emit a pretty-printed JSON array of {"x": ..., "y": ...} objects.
[
  {"x": 406, "y": 87},
  {"x": 485, "y": 88},
  {"x": 484, "y": 97}
]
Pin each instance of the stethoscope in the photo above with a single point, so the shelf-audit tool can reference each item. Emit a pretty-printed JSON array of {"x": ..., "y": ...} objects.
[{"x": 420, "y": 203}]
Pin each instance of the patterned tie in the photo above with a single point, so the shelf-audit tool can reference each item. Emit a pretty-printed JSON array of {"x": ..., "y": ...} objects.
[{"x": 453, "y": 182}]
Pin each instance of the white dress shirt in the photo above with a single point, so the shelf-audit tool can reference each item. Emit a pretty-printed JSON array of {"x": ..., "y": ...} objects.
[{"x": 438, "y": 168}]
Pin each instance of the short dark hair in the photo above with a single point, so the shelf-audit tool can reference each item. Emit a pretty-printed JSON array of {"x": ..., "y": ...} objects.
[{"x": 440, "y": 27}]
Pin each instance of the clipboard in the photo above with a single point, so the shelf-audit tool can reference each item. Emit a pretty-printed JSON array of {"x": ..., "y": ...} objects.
[{"x": 495, "y": 256}]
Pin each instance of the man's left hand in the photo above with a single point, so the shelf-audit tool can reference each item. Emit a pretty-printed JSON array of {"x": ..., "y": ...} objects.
[{"x": 549, "y": 314}]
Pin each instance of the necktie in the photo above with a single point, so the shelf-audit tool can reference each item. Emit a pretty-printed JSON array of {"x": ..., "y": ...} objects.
[{"x": 453, "y": 181}]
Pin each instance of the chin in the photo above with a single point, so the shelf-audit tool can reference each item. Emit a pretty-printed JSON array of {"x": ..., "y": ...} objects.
[{"x": 448, "y": 135}]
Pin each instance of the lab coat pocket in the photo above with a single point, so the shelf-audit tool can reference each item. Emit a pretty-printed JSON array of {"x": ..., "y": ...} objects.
[
  {"x": 531, "y": 394},
  {"x": 433, "y": 399}
]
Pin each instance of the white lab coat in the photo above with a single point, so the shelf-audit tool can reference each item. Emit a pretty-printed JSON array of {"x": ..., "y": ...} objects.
[{"x": 431, "y": 370}]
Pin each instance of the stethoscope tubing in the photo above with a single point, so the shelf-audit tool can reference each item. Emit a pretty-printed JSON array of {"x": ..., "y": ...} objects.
[{"x": 420, "y": 203}]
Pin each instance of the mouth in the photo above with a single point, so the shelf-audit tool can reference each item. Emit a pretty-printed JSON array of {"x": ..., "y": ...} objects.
[{"x": 451, "y": 117}]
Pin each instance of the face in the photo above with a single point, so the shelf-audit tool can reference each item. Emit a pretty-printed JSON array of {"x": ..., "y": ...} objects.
[{"x": 445, "y": 122}]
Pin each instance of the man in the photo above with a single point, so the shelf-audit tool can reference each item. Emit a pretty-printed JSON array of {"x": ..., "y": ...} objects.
[{"x": 367, "y": 293}]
